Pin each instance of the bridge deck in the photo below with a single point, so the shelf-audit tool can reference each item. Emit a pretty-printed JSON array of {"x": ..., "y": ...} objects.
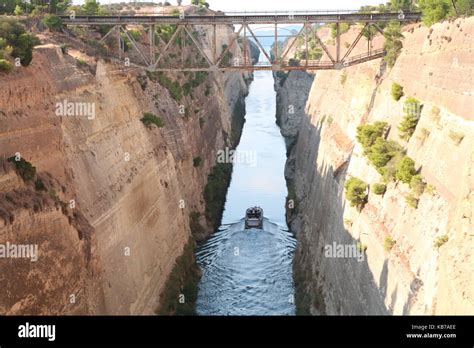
[{"x": 289, "y": 18}]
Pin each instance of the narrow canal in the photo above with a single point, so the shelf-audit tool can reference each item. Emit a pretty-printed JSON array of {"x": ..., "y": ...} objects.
[{"x": 249, "y": 272}]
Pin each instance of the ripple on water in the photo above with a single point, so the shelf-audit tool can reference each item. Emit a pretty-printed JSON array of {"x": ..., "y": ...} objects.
[{"x": 247, "y": 272}]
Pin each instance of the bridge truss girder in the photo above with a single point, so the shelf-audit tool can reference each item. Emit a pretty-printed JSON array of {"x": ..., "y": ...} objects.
[{"x": 151, "y": 57}]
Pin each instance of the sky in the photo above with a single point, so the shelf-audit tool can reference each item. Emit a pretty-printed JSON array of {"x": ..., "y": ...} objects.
[
  {"x": 270, "y": 5},
  {"x": 288, "y": 5}
]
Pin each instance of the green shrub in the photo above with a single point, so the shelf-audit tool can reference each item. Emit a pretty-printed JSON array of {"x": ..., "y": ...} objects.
[
  {"x": 440, "y": 241},
  {"x": 367, "y": 134},
  {"x": 227, "y": 57},
  {"x": 389, "y": 171},
  {"x": 187, "y": 89},
  {"x": 407, "y": 126},
  {"x": 434, "y": 10},
  {"x": 456, "y": 137},
  {"x": 417, "y": 184},
  {"x": 431, "y": 189},
  {"x": 382, "y": 152},
  {"x": 39, "y": 185},
  {"x": 397, "y": 91},
  {"x": 393, "y": 44},
  {"x": 405, "y": 170},
  {"x": 149, "y": 119},
  {"x": 5, "y": 66},
  {"x": 81, "y": 63},
  {"x": 411, "y": 200},
  {"x": 379, "y": 188},
  {"x": 22, "y": 43},
  {"x": 356, "y": 192},
  {"x": 53, "y": 22},
  {"x": 343, "y": 28},
  {"x": 388, "y": 243},
  {"x": 18, "y": 10},
  {"x": 135, "y": 34},
  {"x": 195, "y": 226},
  {"x": 24, "y": 168},
  {"x": 172, "y": 86},
  {"x": 197, "y": 161}
]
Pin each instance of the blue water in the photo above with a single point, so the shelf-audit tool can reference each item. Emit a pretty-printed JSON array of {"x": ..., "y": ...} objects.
[{"x": 249, "y": 272}]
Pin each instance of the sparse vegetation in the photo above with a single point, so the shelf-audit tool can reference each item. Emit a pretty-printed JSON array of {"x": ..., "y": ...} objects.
[
  {"x": 39, "y": 185},
  {"x": 196, "y": 229},
  {"x": 343, "y": 28},
  {"x": 388, "y": 243},
  {"x": 393, "y": 43},
  {"x": 197, "y": 161},
  {"x": 150, "y": 118},
  {"x": 424, "y": 134},
  {"x": 173, "y": 87},
  {"x": 441, "y": 240},
  {"x": 456, "y": 137},
  {"x": 435, "y": 115},
  {"x": 430, "y": 189},
  {"x": 215, "y": 191},
  {"x": 417, "y": 184},
  {"x": 5, "y": 66},
  {"x": 397, "y": 91},
  {"x": 411, "y": 200},
  {"x": 180, "y": 293},
  {"x": 24, "y": 168},
  {"x": 356, "y": 192},
  {"x": 227, "y": 57},
  {"x": 343, "y": 77},
  {"x": 379, "y": 188},
  {"x": 53, "y": 22}
]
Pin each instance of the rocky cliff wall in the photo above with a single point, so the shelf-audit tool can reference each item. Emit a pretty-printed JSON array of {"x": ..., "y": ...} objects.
[
  {"x": 114, "y": 215},
  {"x": 414, "y": 276}
]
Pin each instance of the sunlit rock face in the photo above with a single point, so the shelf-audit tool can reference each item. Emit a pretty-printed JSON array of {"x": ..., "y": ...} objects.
[
  {"x": 414, "y": 276},
  {"x": 116, "y": 216}
]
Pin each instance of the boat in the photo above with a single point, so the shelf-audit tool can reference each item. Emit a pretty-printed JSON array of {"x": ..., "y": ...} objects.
[{"x": 254, "y": 218}]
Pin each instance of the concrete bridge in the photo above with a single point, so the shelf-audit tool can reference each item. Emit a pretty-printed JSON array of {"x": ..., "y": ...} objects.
[{"x": 152, "y": 56}]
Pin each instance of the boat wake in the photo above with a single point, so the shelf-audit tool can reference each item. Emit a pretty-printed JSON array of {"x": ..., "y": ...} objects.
[{"x": 247, "y": 271}]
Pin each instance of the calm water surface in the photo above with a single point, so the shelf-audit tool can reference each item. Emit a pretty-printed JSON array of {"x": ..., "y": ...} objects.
[{"x": 249, "y": 272}]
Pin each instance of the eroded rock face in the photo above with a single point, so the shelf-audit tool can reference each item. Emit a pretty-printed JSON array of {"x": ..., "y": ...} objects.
[
  {"x": 414, "y": 277},
  {"x": 292, "y": 92},
  {"x": 133, "y": 186}
]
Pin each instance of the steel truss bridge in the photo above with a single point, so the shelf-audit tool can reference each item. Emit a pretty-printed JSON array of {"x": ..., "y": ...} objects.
[{"x": 154, "y": 53}]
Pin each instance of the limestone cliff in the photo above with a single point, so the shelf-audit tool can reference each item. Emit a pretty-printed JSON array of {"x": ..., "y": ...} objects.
[
  {"x": 414, "y": 276},
  {"x": 110, "y": 205}
]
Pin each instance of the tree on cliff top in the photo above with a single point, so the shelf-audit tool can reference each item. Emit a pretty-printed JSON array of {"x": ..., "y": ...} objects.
[
  {"x": 14, "y": 35},
  {"x": 393, "y": 43},
  {"x": 200, "y": 3},
  {"x": 437, "y": 10},
  {"x": 91, "y": 7}
]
